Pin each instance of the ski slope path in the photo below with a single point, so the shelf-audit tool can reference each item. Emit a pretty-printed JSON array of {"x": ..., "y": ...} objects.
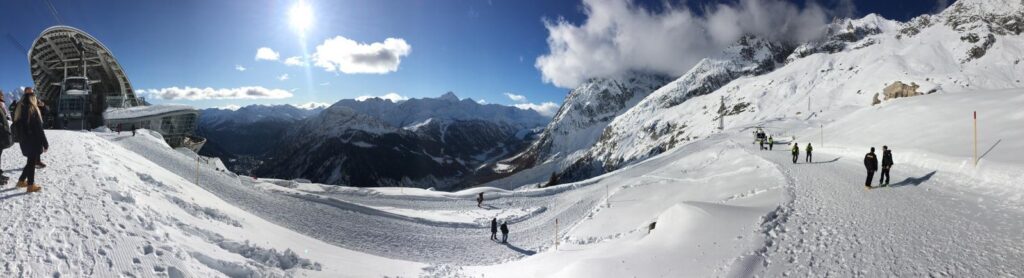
[{"x": 920, "y": 225}]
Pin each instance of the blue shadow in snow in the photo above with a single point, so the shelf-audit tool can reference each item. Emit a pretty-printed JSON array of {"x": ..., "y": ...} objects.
[
  {"x": 914, "y": 181},
  {"x": 520, "y": 250}
]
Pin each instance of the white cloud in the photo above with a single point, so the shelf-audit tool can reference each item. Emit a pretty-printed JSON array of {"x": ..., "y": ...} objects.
[
  {"x": 190, "y": 93},
  {"x": 312, "y": 105},
  {"x": 394, "y": 97},
  {"x": 265, "y": 53},
  {"x": 940, "y": 5},
  {"x": 481, "y": 101},
  {"x": 619, "y": 36},
  {"x": 515, "y": 97},
  {"x": 546, "y": 109},
  {"x": 340, "y": 54},
  {"x": 283, "y": 77},
  {"x": 239, "y": 68},
  {"x": 231, "y": 107},
  {"x": 295, "y": 61}
]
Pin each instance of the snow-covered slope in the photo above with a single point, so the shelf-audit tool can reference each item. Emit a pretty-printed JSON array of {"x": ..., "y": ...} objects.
[
  {"x": 107, "y": 211},
  {"x": 122, "y": 205},
  {"x": 947, "y": 55},
  {"x": 586, "y": 111}
]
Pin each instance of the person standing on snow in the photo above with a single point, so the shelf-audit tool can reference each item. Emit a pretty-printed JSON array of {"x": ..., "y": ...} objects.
[
  {"x": 871, "y": 163},
  {"x": 886, "y": 164},
  {"x": 6, "y": 140},
  {"x": 28, "y": 121},
  {"x": 494, "y": 229},
  {"x": 771, "y": 143},
  {"x": 796, "y": 152},
  {"x": 809, "y": 150},
  {"x": 480, "y": 200},
  {"x": 133, "y": 129},
  {"x": 504, "y": 232}
]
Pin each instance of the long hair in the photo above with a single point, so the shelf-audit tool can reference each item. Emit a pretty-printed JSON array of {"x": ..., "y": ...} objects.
[{"x": 33, "y": 108}]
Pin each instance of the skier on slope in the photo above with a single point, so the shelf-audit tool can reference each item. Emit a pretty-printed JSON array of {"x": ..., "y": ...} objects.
[
  {"x": 871, "y": 163},
  {"x": 760, "y": 141},
  {"x": 494, "y": 229},
  {"x": 886, "y": 164},
  {"x": 809, "y": 150},
  {"x": 771, "y": 143},
  {"x": 504, "y": 232},
  {"x": 480, "y": 200},
  {"x": 796, "y": 152}
]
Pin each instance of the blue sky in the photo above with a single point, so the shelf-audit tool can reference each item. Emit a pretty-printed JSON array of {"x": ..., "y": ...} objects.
[{"x": 475, "y": 48}]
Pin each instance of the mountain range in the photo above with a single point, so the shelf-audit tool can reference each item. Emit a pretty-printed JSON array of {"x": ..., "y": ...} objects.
[{"x": 442, "y": 142}]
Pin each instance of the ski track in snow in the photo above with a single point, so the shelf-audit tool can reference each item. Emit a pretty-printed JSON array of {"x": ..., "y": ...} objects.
[{"x": 835, "y": 227}]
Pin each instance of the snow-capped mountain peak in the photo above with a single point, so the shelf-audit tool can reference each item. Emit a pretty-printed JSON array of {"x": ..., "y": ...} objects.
[{"x": 449, "y": 96}]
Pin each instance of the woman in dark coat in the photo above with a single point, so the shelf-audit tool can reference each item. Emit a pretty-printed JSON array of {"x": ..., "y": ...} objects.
[{"x": 28, "y": 121}]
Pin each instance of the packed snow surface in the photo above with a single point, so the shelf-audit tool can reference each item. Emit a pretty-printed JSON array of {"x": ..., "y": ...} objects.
[
  {"x": 708, "y": 203},
  {"x": 130, "y": 205}
]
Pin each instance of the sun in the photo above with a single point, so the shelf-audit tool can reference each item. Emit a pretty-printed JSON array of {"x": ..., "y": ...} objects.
[{"x": 300, "y": 17}]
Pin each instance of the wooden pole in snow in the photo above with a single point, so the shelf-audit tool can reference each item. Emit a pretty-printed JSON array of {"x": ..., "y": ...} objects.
[
  {"x": 975, "y": 138},
  {"x": 556, "y": 234}
]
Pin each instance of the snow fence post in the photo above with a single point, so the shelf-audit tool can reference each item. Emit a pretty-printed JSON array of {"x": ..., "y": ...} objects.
[
  {"x": 556, "y": 234},
  {"x": 975, "y": 138}
]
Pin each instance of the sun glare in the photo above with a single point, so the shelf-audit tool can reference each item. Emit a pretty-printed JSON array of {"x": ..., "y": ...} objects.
[{"x": 300, "y": 17}]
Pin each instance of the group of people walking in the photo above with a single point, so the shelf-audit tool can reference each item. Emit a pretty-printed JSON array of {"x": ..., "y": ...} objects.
[
  {"x": 871, "y": 163},
  {"x": 26, "y": 128},
  {"x": 494, "y": 222},
  {"x": 494, "y": 230},
  {"x": 870, "y": 160},
  {"x": 796, "y": 153}
]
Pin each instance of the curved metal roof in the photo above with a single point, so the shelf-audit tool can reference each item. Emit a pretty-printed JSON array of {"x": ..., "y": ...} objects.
[{"x": 58, "y": 52}]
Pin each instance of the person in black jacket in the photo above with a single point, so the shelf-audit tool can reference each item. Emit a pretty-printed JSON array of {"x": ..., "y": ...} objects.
[
  {"x": 29, "y": 126},
  {"x": 494, "y": 229},
  {"x": 809, "y": 150},
  {"x": 796, "y": 152},
  {"x": 7, "y": 140},
  {"x": 504, "y": 232},
  {"x": 871, "y": 163},
  {"x": 886, "y": 164}
]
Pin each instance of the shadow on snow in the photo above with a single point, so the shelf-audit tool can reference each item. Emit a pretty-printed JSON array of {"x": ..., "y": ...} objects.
[{"x": 914, "y": 181}]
